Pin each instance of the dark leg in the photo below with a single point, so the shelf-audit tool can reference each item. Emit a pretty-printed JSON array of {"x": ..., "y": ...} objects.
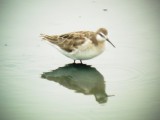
[
  {"x": 74, "y": 61},
  {"x": 81, "y": 61}
]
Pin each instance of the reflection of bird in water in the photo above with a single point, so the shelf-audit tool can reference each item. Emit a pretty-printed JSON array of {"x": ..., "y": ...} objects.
[{"x": 81, "y": 78}]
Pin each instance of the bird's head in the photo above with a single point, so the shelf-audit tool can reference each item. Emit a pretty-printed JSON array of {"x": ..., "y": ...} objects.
[{"x": 102, "y": 35}]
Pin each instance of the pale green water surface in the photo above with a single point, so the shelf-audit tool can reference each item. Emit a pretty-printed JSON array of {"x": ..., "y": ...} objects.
[{"x": 38, "y": 83}]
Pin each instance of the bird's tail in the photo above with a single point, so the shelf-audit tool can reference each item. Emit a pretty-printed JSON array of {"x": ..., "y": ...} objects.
[
  {"x": 49, "y": 38},
  {"x": 44, "y": 37}
]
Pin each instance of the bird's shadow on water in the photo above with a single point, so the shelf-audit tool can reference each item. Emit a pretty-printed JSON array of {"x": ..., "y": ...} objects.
[{"x": 80, "y": 77}]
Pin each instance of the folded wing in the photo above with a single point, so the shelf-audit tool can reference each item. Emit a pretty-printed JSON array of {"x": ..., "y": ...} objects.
[{"x": 68, "y": 42}]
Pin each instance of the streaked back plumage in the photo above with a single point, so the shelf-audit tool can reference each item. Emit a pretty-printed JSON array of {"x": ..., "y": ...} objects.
[{"x": 70, "y": 41}]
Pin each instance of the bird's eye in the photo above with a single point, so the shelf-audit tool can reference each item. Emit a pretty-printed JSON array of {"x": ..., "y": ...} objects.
[{"x": 101, "y": 34}]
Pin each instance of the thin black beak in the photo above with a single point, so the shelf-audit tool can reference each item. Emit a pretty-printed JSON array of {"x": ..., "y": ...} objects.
[{"x": 110, "y": 42}]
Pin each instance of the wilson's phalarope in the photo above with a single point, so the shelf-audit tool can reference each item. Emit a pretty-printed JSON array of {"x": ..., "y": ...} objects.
[{"x": 81, "y": 45}]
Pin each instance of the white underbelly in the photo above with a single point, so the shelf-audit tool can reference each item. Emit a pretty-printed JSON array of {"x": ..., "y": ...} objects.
[
  {"x": 85, "y": 55},
  {"x": 85, "y": 52}
]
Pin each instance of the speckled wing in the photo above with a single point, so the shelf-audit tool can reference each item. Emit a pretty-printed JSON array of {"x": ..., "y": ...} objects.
[{"x": 70, "y": 41}]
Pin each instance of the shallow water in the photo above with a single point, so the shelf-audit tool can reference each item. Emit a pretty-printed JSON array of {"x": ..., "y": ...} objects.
[{"x": 38, "y": 83}]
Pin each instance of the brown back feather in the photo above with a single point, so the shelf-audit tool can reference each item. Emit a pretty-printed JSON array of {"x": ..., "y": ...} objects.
[{"x": 70, "y": 41}]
